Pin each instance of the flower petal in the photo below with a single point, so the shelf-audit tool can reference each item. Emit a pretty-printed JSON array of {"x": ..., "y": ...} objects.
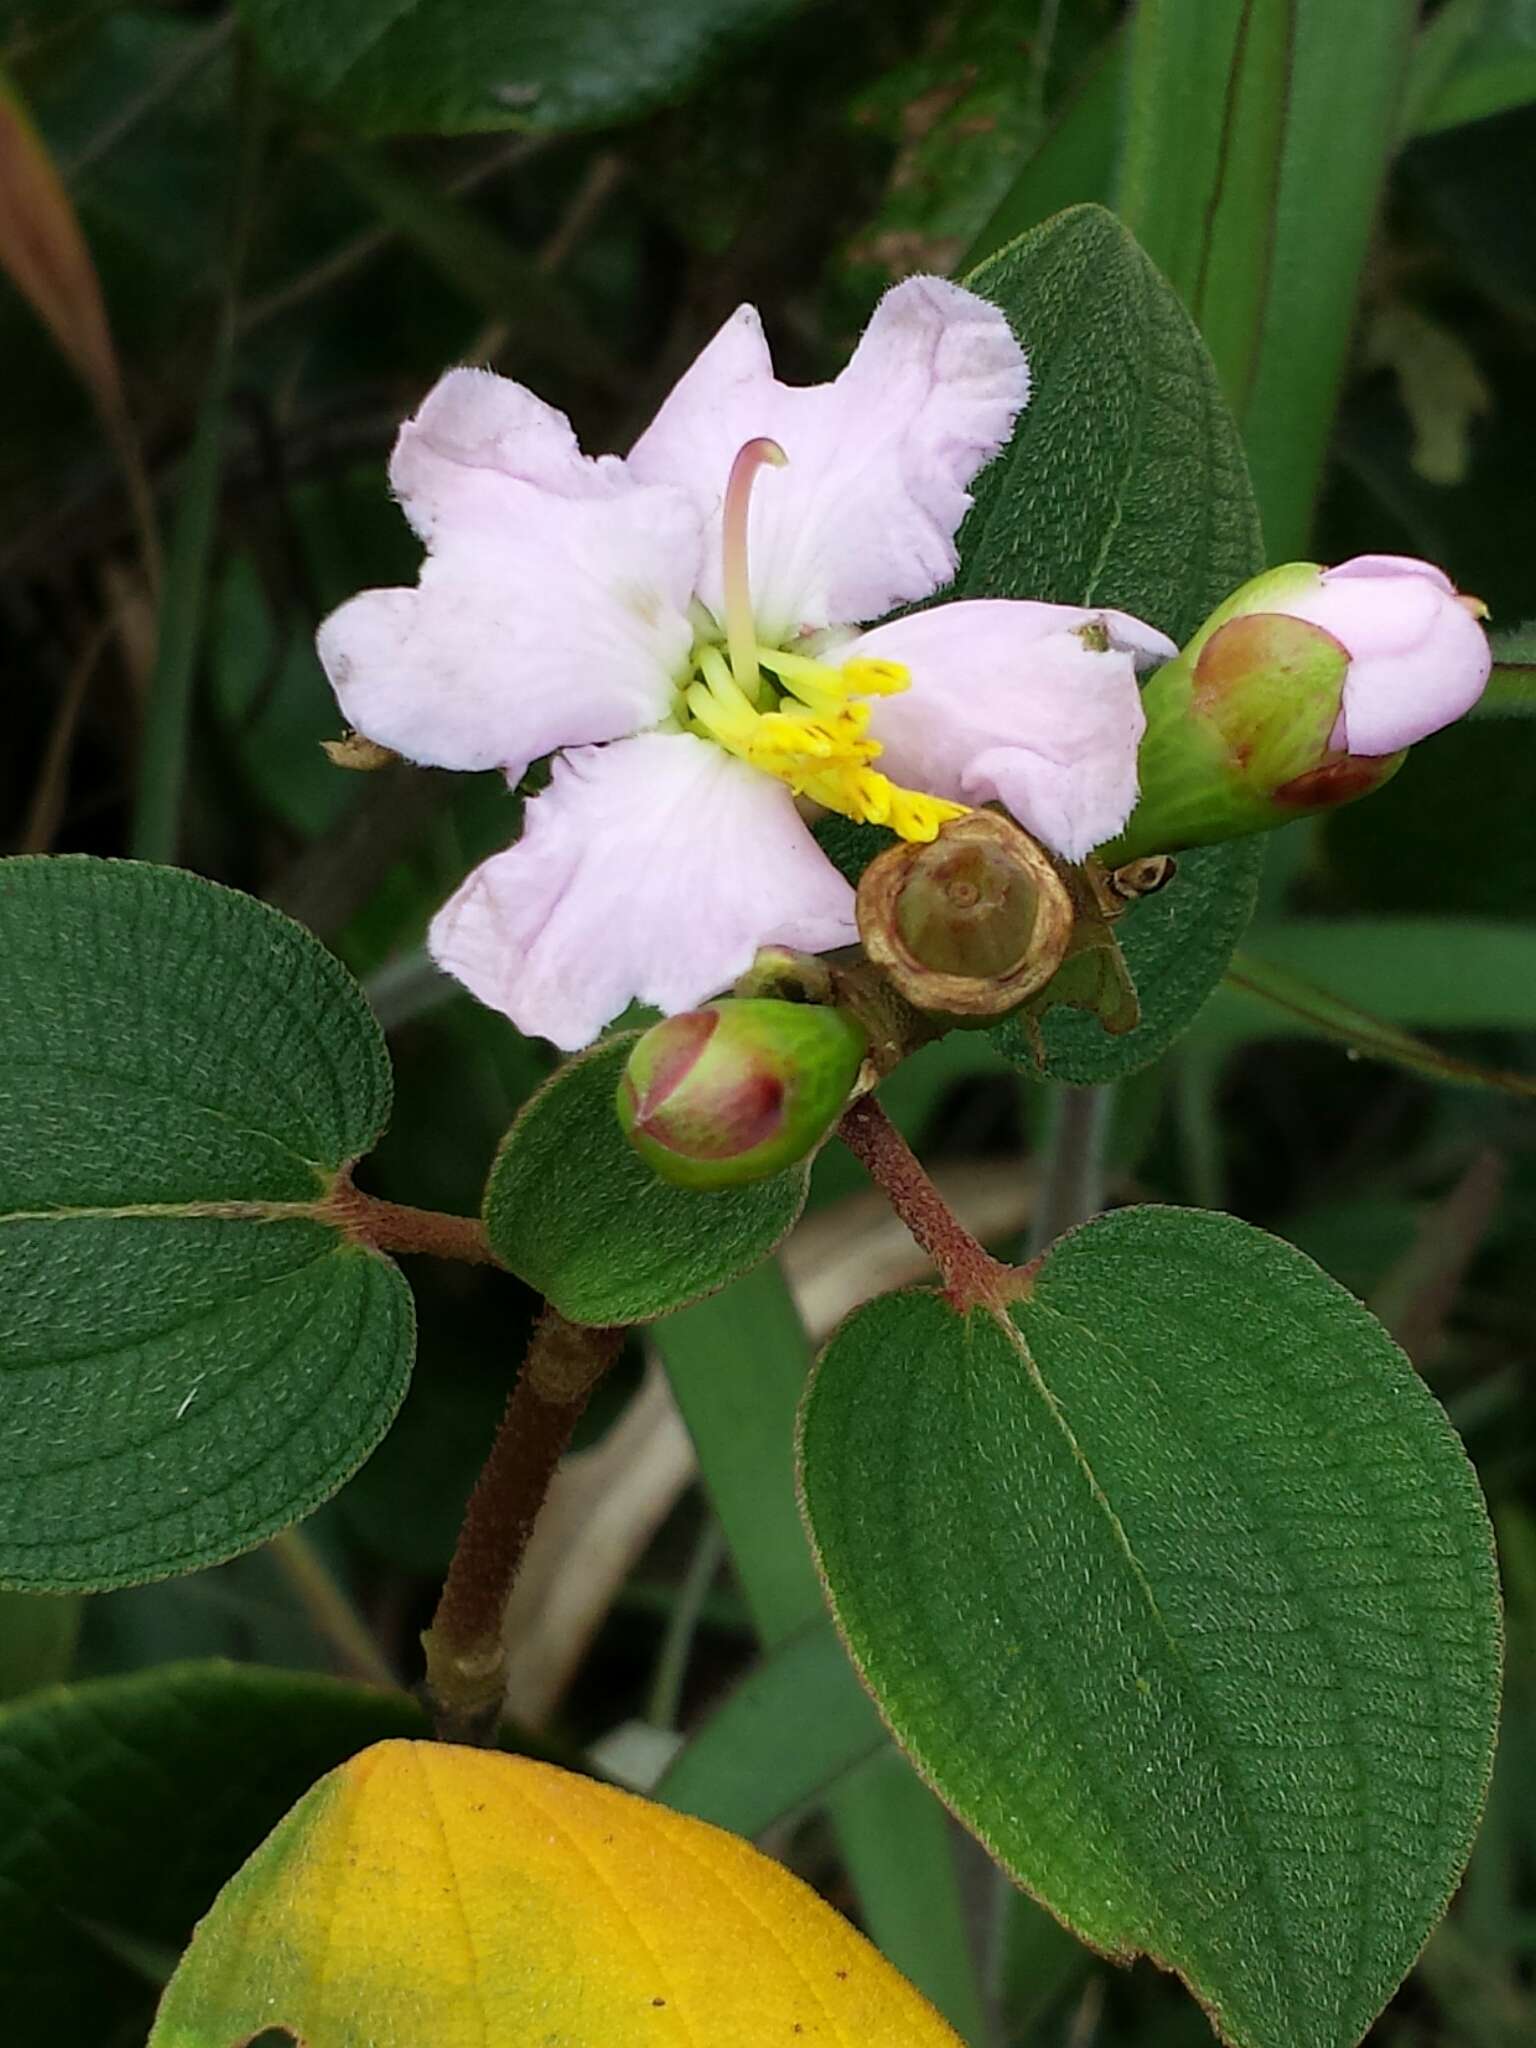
[
  {"x": 552, "y": 609},
  {"x": 864, "y": 515},
  {"x": 1418, "y": 658},
  {"x": 650, "y": 870},
  {"x": 474, "y": 431},
  {"x": 1362, "y": 566},
  {"x": 1007, "y": 702}
]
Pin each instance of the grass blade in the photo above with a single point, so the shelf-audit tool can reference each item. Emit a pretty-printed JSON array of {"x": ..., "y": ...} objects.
[
  {"x": 783, "y": 1739},
  {"x": 737, "y": 1362},
  {"x": 1256, "y": 144},
  {"x": 163, "y": 758}
]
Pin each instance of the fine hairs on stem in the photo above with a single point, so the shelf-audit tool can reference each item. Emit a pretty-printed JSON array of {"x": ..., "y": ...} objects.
[
  {"x": 972, "y": 1277},
  {"x": 466, "y": 1656}
]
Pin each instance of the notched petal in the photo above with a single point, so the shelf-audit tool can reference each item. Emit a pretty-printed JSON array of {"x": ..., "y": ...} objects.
[
  {"x": 473, "y": 430},
  {"x": 556, "y": 621}
]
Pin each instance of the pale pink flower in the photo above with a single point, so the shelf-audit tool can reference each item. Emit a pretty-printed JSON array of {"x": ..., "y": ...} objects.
[
  {"x": 601, "y": 610},
  {"x": 1418, "y": 659}
]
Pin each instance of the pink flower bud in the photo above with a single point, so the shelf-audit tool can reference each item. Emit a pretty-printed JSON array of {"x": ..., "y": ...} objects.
[
  {"x": 1299, "y": 693},
  {"x": 1418, "y": 658},
  {"x": 738, "y": 1090}
]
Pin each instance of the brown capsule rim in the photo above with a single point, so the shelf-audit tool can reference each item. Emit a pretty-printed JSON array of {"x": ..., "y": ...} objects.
[{"x": 963, "y": 995}]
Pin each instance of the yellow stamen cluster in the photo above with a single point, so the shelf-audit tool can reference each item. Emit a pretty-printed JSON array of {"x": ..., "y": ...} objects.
[{"x": 810, "y": 728}]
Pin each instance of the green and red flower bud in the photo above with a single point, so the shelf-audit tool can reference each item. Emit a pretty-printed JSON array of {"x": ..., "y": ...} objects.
[
  {"x": 739, "y": 1089},
  {"x": 1303, "y": 691}
]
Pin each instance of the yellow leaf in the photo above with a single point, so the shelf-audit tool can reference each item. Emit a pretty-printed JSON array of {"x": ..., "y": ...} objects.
[{"x": 430, "y": 1897}]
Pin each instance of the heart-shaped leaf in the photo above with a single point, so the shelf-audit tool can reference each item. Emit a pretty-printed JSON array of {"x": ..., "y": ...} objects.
[
  {"x": 574, "y": 1210},
  {"x": 426, "y": 1893},
  {"x": 1178, "y": 1586},
  {"x": 193, "y": 1350}
]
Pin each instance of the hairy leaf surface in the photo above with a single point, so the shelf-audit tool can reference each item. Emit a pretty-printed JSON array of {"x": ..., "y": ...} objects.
[
  {"x": 1179, "y": 1587},
  {"x": 572, "y": 1208},
  {"x": 193, "y": 1351}
]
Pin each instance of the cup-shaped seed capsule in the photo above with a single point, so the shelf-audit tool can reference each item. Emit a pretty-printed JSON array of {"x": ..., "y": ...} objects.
[{"x": 970, "y": 925}]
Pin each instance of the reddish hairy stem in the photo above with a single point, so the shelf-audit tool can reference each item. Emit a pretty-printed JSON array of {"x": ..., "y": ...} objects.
[
  {"x": 466, "y": 1657},
  {"x": 972, "y": 1277},
  {"x": 395, "y": 1227}
]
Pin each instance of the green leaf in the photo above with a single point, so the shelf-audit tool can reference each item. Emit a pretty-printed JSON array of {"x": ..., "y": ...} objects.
[
  {"x": 1511, "y": 693},
  {"x": 1177, "y": 945},
  {"x": 1474, "y": 59},
  {"x": 792, "y": 1729},
  {"x": 126, "y": 1803},
  {"x": 1511, "y": 690},
  {"x": 194, "y": 1353},
  {"x": 1432, "y": 973},
  {"x": 1345, "y": 74},
  {"x": 1260, "y": 1000},
  {"x": 1178, "y": 1586},
  {"x": 1124, "y": 485},
  {"x": 37, "y": 1640},
  {"x": 455, "y": 67},
  {"x": 1201, "y": 162},
  {"x": 574, "y": 1210},
  {"x": 163, "y": 752},
  {"x": 737, "y": 1364},
  {"x": 1258, "y": 203}
]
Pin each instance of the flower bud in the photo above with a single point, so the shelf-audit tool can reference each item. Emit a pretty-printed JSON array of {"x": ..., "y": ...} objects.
[
  {"x": 970, "y": 924},
  {"x": 738, "y": 1090},
  {"x": 1301, "y": 692}
]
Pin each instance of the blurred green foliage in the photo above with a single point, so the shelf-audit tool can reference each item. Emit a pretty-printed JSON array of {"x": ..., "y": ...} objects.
[{"x": 299, "y": 218}]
